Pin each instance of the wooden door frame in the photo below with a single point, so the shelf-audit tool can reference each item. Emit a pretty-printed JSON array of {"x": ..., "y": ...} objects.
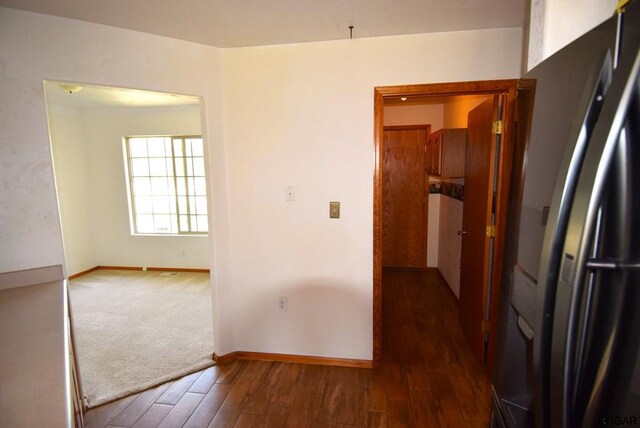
[{"x": 486, "y": 87}]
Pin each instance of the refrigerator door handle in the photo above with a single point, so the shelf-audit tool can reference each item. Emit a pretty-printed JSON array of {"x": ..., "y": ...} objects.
[
  {"x": 577, "y": 249},
  {"x": 610, "y": 264}
]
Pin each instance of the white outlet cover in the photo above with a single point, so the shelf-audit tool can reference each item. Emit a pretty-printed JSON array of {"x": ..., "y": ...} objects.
[{"x": 290, "y": 193}]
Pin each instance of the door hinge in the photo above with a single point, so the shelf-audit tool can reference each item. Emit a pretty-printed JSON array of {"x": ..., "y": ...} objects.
[
  {"x": 484, "y": 326},
  {"x": 491, "y": 231},
  {"x": 496, "y": 128}
]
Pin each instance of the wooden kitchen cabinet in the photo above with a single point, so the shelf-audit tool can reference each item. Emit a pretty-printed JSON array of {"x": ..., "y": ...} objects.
[{"x": 446, "y": 152}]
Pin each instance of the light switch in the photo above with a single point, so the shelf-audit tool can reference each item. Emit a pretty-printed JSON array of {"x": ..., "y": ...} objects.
[{"x": 334, "y": 209}]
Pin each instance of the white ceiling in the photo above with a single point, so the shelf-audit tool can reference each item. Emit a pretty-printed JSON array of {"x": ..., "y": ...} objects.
[
  {"x": 91, "y": 97},
  {"x": 232, "y": 23}
]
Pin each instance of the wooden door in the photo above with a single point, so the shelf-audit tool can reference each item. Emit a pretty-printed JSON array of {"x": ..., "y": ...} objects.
[
  {"x": 404, "y": 197},
  {"x": 476, "y": 216}
]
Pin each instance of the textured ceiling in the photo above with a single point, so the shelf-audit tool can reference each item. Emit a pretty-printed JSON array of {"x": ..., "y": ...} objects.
[{"x": 232, "y": 23}]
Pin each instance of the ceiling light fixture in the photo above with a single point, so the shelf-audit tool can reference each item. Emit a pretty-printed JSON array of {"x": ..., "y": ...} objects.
[{"x": 70, "y": 87}]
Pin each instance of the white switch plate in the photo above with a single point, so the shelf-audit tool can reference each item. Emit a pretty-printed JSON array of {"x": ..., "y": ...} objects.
[{"x": 290, "y": 193}]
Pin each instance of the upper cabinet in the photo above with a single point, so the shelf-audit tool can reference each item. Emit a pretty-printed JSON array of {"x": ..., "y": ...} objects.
[{"x": 446, "y": 152}]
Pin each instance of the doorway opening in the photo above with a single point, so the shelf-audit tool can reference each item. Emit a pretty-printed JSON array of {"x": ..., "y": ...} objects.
[
  {"x": 131, "y": 181},
  {"x": 495, "y": 165}
]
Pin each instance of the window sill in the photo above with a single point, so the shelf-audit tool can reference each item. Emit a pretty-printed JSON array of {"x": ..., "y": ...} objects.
[{"x": 172, "y": 235}]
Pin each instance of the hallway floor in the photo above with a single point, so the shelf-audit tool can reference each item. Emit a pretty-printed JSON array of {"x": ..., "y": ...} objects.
[{"x": 428, "y": 377}]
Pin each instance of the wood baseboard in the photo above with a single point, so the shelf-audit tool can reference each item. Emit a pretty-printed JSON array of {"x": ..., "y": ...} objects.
[
  {"x": 290, "y": 358},
  {"x": 120, "y": 267},
  {"x": 139, "y": 268},
  {"x": 444, "y": 280},
  {"x": 168, "y": 269},
  {"x": 84, "y": 272}
]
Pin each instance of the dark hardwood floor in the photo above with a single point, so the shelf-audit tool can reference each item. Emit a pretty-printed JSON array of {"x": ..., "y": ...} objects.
[{"x": 428, "y": 377}]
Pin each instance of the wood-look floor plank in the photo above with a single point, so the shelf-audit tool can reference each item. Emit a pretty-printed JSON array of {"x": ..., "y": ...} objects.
[
  {"x": 473, "y": 397},
  {"x": 246, "y": 383},
  {"x": 102, "y": 416},
  {"x": 376, "y": 397},
  {"x": 396, "y": 386},
  {"x": 352, "y": 408},
  {"x": 477, "y": 424},
  {"x": 153, "y": 416},
  {"x": 204, "y": 382},
  {"x": 328, "y": 405},
  {"x": 398, "y": 414},
  {"x": 177, "y": 389},
  {"x": 445, "y": 404},
  {"x": 208, "y": 407},
  {"x": 276, "y": 415},
  {"x": 421, "y": 411},
  {"x": 377, "y": 420},
  {"x": 278, "y": 383},
  {"x": 139, "y": 406},
  {"x": 230, "y": 371},
  {"x": 248, "y": 420},
  {"x": 182, "y": 410}
]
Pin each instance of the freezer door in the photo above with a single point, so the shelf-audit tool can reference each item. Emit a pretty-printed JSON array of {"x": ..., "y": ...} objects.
[
  {"x": 563, "y": 116},
  {"x": 596, "y": 322}
]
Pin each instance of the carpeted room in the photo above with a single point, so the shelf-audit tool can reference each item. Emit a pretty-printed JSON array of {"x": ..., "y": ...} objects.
[
  {"x": 135, "y": 329},
  {"x": 131, "y": 186}
]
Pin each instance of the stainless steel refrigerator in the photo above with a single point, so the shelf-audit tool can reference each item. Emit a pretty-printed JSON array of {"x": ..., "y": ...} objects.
[{"x": 569, "y": 338}]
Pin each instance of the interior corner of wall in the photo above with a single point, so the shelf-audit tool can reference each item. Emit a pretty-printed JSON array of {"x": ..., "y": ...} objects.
[{"x": 536, "y": 36}]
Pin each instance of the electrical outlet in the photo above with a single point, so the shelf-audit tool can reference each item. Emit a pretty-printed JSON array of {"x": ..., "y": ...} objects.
[
  {"x": 282, "y": 303},
  {"x": 290, "y": 193}
]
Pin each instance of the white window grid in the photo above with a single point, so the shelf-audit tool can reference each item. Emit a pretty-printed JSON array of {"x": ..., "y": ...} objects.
[{"x": 167, "y": 184}]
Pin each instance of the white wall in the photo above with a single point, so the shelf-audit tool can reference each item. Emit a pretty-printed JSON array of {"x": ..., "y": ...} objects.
[
  {"x": 456, "y": 111},
  {"x": 427, "y": 114},
  {"x": 74, "y": 185},
  {"x": 115, "y": 246},
  {"x": 302, "y": 115},
  {"x": 34, "y": 47},
  {"x": 433, "y": 230},
  {"x": 298, "y": 115},
  {"x": 555, "y": 24},
  {"x": 431, "y": 114},
  {"x": 92, "y": 189},
  {"x": 450, "y": 244}
]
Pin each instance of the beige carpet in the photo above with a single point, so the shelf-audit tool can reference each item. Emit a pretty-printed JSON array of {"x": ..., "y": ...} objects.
[{"x": 136, "y": 329}]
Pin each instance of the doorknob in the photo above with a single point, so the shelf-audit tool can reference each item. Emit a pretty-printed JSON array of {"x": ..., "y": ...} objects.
[{"x": 461, "y": 233}]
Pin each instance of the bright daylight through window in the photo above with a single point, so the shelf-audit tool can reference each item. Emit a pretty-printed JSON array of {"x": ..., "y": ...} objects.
[{"x": 167, "y": 185}]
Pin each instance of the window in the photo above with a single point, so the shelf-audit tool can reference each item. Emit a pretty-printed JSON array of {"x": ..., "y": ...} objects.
[{"x": 167, "y": 185}]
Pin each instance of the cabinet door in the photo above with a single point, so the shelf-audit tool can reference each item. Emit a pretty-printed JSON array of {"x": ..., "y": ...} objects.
[
  {"x": 434, "y": 153},
  {"x": 452, "y": 153}
]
